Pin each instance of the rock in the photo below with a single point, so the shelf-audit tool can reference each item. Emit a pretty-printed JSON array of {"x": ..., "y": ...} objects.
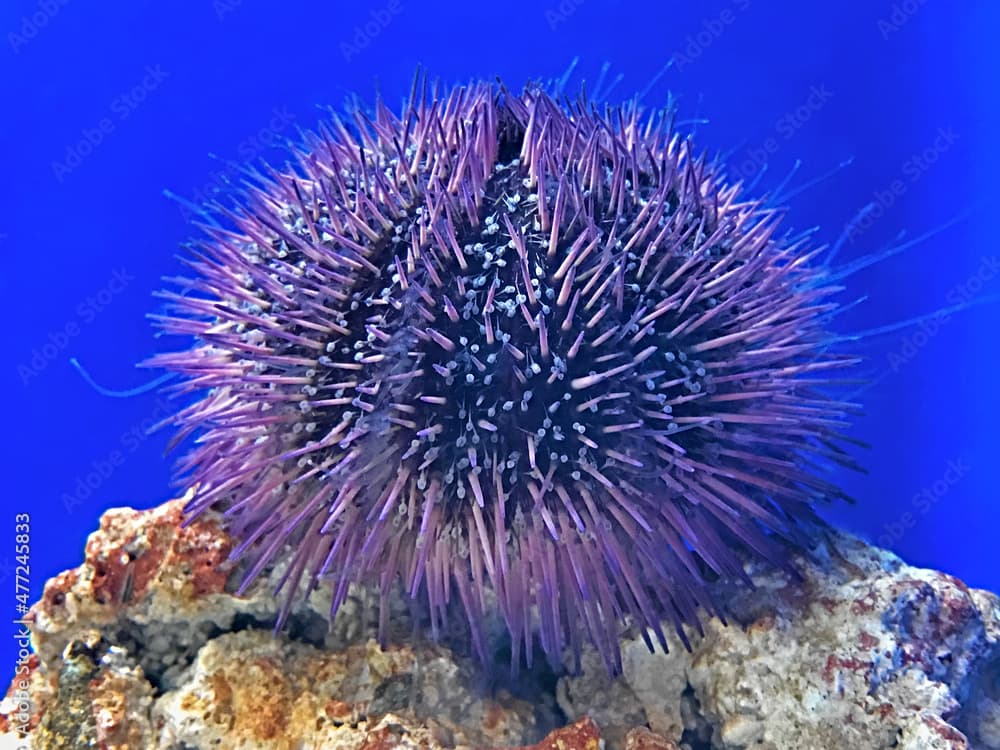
[
  {"x": 147, "y": 646},
  {"x": 611, "y": 703},
  {"x": 582, "y": 734},
  {"x": 252, "y": 689},
  {"x": 167, "y": 589},
  {"x": 146, "y": 574},
  {"x": 866, "y": 652},
  {"x": 641, "y": 738},
  {"x": 101, "y": 700}
]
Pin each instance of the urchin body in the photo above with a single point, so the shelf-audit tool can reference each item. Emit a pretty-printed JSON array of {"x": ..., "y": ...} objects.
[{"x": 504, "y": 343}]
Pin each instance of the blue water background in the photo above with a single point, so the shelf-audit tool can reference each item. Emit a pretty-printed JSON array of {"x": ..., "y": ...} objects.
[{"x": 906, "y": 89}]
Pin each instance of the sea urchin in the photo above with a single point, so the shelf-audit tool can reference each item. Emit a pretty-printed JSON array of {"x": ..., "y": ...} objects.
[{"x": 508, "y": 344}]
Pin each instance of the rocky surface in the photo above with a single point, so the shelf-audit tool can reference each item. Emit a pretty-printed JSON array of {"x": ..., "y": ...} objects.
[
  {"x": 866, "y": 652},
  {"x": 146, "y": 646}
]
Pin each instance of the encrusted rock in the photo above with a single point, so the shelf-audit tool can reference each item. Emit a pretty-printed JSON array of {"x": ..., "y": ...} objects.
[
  {"x": 100, "y": 699},
  {"x": 582, "y": 734},
  {"x": 145, "y": 571},
  {"x": 641, "y": 738},
  {"x": 165, "y": 589},
  {"x": 867, "y": 652},
  {"x": 146, "y": 646},
  {"x": 252, "y": 689}
]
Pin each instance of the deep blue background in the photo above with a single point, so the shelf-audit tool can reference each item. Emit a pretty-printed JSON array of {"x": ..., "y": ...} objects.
[{"x": 217, "y": 75}]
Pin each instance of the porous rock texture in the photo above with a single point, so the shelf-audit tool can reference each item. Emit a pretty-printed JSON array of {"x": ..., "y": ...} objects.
[
  {"x": 864, "y": 653},
  {"x": 147, "y": 646}
]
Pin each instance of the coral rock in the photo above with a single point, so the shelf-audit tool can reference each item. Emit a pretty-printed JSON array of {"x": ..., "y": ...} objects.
[
  {"x": 641, "y": 738},
  {"x": 583, "y": 734},
  {"x": 145, "y": 646},
  {"x": 867, "y": 652},
  {"x": 252, "y": 689}
]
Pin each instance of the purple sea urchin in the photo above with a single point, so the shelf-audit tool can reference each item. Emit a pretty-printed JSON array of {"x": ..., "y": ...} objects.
[{"x": 507, "y": 343}]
